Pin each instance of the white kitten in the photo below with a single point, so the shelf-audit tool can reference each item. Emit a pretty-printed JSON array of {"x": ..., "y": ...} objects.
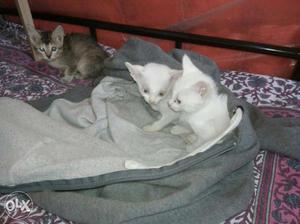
[
  {"x": 155, "y": 82},
  {"x": 195, "y": 95}
]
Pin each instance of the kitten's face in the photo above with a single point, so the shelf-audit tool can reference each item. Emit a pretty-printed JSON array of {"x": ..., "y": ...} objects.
[
  {"x": 188, "y": 93},
  {"x": 153, "y": 80},
  {"x": 48, "y": 44},
  {"x": 190, "y": 99}
]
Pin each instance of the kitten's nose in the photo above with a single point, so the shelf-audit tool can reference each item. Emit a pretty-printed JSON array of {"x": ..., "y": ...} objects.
[
  {"x": 151, "y": 100},
  {"x": 48, "y": 56}
]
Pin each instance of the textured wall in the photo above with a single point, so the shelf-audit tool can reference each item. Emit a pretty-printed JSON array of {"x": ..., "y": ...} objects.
[{"x": 268, "y": 21}]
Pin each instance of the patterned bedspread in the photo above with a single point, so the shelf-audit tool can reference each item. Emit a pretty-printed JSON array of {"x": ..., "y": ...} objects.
[{"x": 277, "y": 178}]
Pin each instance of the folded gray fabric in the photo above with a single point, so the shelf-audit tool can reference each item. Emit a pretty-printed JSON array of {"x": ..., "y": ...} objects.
[
  {"x": 76, "y": 94},
  {"x": 78, "y": 151},
  {"x": 95, "y": 136},
  {"x": 146, "y": 52}
]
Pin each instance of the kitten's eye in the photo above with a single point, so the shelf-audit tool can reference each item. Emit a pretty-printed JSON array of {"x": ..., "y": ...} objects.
[
  {"x": 146, "y": 91},
  {"x": 42, "y": 49},
  {"x": 178, "y": 101},
  {"x": 161, "y": 94},
  {"x": 53, "y": 48}
]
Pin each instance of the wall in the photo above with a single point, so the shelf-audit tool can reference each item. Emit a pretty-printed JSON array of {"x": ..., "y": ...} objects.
[{"x": 274, "y": 22}]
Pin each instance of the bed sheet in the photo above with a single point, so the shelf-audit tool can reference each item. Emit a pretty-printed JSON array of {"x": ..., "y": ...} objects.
[{"x": 276, "y": 196}]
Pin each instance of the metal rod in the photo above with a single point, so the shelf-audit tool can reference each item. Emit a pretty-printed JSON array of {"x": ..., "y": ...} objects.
[
  {"x": 178, "y": 44},
  {"x": 296, "y": 72},
  {"x": 93, "y": 32},
  {"x": 26, "y": 18}
]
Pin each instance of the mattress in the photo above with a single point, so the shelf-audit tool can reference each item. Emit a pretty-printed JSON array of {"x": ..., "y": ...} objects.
[{"x": 276, "y": 198}]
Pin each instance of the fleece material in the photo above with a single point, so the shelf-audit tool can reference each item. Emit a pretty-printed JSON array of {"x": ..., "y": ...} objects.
[{"x": 87, "y": 181}]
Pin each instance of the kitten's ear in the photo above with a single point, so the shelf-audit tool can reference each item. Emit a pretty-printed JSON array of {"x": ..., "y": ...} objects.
[
  {"x": 34, "y": 36},
  {"x": 175, "y": 74},
  {"x": 201, "y": 87},
  {"x": 187, "y": 64},
  {"x": 58, "y": 34},
  {"x": 134, "y": 70}
]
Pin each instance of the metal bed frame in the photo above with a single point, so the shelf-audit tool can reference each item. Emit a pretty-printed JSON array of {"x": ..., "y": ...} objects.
[{"x": 177, "y": 37}]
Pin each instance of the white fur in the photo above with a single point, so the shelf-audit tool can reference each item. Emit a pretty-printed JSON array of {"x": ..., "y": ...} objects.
[
  {"x": 234, "y": 122},
  {"x": 155, "y": 82},
  {"x": 195, "y": 95}
]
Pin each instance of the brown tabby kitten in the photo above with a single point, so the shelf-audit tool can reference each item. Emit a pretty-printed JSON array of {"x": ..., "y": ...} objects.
[{"x": 77, "y": 55}]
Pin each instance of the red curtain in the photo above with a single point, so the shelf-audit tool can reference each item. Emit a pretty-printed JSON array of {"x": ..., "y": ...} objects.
[{"x": 266, "y": 21}]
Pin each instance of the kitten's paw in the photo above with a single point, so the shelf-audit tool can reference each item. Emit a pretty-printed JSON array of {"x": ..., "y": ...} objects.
[
  {"x": 131, "y": 164},
  {"x": 196, "y": 145},
  {"x": 151, "y": 128},
  {"x": 178, "y": 130},
  {"x": 190, "y": 148},
  {"x": 67, "y": 78},
  {"x": 190, "y": 139}
]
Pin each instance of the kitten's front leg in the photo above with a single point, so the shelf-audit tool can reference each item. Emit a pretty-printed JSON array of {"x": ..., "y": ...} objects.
[
  {"x": 179, "y": 130},
  {"x": 160, "y": 124},
  {"x": 190, "y": 139},
  {"x": 194, "y": 145},
  {"x": 67, "y": 78},
  {"x": 68, "y": 74}
]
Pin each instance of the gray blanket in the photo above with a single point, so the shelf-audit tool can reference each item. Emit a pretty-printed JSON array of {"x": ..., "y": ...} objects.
[
  {"x": 84, "y": 146},
  {"x": 74, "y": 140},
  {"x": 98, "y": 135}
]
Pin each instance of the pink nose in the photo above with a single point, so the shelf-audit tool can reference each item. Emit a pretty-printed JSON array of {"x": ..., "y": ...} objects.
[{"x": 151, "y": 101}]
